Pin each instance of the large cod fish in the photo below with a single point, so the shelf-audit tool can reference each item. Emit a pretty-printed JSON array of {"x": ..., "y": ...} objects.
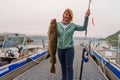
[{"x": 52, "y": 44}]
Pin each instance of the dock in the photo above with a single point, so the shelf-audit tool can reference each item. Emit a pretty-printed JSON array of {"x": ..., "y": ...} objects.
[{"x": 42, "y": 71}]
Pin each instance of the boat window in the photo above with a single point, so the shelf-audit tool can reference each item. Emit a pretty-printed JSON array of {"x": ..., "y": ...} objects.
[{"x": 13, "y": 42}]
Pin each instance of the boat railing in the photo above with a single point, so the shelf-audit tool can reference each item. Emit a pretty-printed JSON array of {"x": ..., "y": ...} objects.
[{"x": 26, "y": 56}]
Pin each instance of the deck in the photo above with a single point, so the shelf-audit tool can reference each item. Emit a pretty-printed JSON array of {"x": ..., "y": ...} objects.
[{"x": 42, "y": 70}]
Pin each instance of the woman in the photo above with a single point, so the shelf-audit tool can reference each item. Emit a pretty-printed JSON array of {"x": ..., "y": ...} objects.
[{"x": 65, "y": 42}]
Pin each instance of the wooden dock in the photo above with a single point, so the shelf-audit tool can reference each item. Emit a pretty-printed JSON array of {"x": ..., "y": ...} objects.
[{"x": 42, "y": 70}]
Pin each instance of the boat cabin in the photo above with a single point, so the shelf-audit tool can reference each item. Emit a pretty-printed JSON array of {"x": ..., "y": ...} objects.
[{"x": 13, "y": 47}]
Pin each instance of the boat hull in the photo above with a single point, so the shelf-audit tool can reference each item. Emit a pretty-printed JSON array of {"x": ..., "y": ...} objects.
[{"x": 9, "y": 72}]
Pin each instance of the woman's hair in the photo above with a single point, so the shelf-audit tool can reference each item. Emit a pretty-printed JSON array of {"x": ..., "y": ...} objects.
[{"x": 70, "y": 11}]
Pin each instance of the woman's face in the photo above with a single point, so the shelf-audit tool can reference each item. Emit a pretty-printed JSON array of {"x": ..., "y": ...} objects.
[{"x": 67, "y": 17}]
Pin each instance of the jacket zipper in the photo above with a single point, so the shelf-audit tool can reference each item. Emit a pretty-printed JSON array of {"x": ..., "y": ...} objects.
[{"x": 63, "y": 37}]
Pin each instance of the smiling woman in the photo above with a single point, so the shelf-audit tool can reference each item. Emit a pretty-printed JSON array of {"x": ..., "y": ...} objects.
[{"x": 66, "y": 29}]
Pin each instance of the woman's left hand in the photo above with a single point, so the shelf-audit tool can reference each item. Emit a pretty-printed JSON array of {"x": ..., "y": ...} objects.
[{"x": 87, "y": 13}]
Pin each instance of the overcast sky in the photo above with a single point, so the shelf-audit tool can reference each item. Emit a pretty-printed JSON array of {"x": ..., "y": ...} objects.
[{"x": 33, "y": 16}]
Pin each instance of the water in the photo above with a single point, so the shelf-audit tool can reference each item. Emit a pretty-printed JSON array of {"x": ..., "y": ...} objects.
[{"x": 39, "y": 40}]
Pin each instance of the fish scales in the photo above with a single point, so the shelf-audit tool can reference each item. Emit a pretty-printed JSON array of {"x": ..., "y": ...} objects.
[{"x": 52, "y": 45}]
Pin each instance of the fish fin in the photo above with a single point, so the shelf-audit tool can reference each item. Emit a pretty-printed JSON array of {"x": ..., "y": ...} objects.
[
  {"x": 53, "y": 69},
  {"x": 47, "y": 56}
]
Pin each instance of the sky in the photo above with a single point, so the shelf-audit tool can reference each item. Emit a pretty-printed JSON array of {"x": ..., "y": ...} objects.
[{"x": 32, "y": 17}]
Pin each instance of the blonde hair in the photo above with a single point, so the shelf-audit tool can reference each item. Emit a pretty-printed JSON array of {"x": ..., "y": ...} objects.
[{"x": 70, "y": 11}]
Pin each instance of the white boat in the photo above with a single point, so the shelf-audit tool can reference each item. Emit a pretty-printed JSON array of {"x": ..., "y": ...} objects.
[
  {"x": 16, "y": 56},
  {"x": 108, "y": 59}
]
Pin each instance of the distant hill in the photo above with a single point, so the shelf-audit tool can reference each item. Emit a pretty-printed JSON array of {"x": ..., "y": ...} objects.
[{"x": 113, "y": 39}]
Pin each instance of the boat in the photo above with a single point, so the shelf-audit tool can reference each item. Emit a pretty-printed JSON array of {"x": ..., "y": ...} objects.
[
  {"x": 17, "y": 56},
  {"x": 107, "y": 58}
]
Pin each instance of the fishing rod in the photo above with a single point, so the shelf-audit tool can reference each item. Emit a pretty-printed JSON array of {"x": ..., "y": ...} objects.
[
  {"x": 89, "y": 4},
  {"x": 88, "y": 9},
  {"x": 84, "y": 53},
  {"x": 84, "y": 59}
]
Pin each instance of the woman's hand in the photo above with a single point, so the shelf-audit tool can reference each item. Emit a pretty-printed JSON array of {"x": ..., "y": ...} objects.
[{"x": 87, "y": 13}]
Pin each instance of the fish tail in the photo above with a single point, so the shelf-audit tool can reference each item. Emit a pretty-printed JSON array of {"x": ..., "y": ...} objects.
[{"x": 53, "y": 69}]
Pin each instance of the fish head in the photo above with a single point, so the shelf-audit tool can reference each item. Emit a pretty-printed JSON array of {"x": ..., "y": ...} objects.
[{"x": 53, "y": 23}]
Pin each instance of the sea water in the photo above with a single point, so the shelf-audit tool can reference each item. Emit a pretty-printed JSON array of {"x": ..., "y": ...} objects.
[{"x": 41, "y": 40}]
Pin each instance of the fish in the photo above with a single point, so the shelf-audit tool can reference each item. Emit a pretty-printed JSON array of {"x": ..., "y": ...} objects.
[{"x": 52, "y": 43}]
